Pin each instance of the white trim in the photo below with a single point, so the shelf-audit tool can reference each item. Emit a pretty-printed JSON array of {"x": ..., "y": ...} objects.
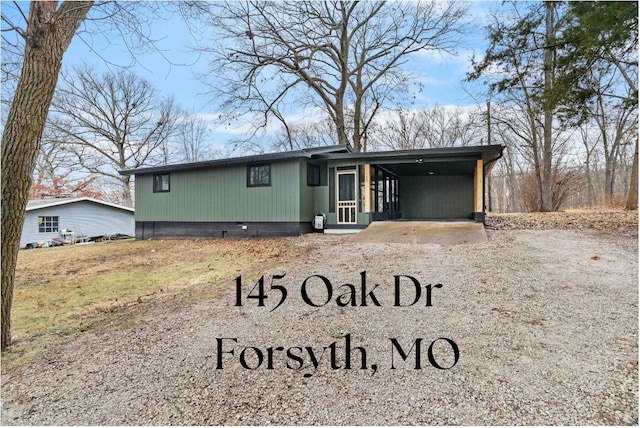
[
  {"x": 347, "y": 205},
  {"x": 341, "y": 231},
  {"x": 65, "y": 201}
]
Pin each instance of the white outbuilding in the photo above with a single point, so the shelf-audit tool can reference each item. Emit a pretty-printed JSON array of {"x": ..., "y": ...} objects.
[{"x": 73, "y": 218}]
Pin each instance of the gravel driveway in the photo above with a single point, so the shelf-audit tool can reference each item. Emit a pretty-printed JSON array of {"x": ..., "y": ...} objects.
[{"x": 531, "y": 327}]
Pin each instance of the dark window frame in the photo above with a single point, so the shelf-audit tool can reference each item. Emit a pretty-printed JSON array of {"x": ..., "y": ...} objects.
[
  {"x": 48, "y": 224},
  {"x": 256, "y": 180},
  {"x": 314, "y": 177},
  {"x": 157, "y": 183},
  {"x": 332, "y": 189}
]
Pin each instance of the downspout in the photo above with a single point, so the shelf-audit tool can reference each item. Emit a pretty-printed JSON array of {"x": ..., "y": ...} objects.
[{"x": 484, "y": 166}]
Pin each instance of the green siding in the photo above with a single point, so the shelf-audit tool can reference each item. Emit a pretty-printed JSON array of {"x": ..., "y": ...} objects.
[
  {"x": 363, "y": 218},
  {"x": 306, "y": 195},
  {"x": 321, "y": 199},
  {"x": 221, "y": 194},
  {"x": 436, "y": 197},
  {"x": 313, "y": 199}
]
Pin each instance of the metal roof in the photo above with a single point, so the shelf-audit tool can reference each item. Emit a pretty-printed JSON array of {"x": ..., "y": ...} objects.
[
  {"x": 36, "y": 204},
  {"x": 302, "y": 153},
  {"x": 343, "y": 152},
  {"x": 433, "y": 161},
  {"x": 422, "y": 155}
]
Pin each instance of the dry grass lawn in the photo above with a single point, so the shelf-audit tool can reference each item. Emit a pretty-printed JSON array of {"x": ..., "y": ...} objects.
[{"x": 62, "y": 291}]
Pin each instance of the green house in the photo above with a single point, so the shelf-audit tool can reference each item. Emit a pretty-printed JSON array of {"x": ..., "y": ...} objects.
[{"x": 280, "y": 194}]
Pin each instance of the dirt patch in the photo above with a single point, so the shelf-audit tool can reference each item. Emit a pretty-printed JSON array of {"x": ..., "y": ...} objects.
[{"x": 422, "y": 232}]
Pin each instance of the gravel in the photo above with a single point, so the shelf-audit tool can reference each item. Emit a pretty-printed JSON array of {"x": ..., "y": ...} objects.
[{"x": 545, "y": 324}]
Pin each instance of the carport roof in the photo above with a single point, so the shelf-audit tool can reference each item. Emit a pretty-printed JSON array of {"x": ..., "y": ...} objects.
[
  {"x": 435, "y": 161},
  {"x": 440, "y": 154},
  {"x": 446, "y": 160}
]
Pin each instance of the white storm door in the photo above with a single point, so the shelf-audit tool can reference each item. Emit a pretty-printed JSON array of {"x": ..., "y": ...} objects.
[{"x": 346, "y": 193}]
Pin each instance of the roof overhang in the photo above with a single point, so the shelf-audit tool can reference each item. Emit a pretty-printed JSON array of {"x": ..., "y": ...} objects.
[
  {"x": 443, "y": 161},
  {"x": 308, "y": 153},
  {"x": 36, "y": 204},
  {"x": 438, "y": 161}
]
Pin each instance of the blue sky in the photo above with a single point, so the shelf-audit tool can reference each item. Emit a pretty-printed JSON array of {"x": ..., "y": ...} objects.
[{"x": 441, "y": 75}]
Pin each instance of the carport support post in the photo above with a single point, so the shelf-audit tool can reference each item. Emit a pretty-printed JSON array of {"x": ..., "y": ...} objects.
[
  {"x": 478, "y": 190},
  {"x": 366, "y": 195}
]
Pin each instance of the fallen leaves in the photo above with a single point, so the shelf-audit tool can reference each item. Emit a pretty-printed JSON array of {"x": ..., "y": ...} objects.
[{"x": 619, "y": 222}]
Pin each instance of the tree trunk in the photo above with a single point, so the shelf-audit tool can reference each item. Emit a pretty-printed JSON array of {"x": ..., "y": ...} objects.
[
  {"x": 48, "y": 35},
  {"x": 547, "y": 178},
  {"x": 513, "y": 181},
  {"x": 127, "y": 198},
  {"x": 341, "y": 124},
  {"x": 590, "y": 190},
  {"x": 344, "y": 80},
  {"x": 632, "y": 199},
  {"x": 609, "y": 179},
  {"x": 357, "y": 140}
]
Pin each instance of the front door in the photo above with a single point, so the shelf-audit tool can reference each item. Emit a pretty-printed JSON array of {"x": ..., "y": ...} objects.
[{"x": 346, "y": 192}]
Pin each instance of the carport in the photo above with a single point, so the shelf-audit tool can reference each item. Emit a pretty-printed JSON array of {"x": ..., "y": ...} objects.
[
  {"x": 424, "y": 184},
  {"x": 436, "y": 190}
]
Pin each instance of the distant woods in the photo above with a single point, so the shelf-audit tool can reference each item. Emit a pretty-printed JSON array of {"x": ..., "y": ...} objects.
[
  {"x": 101, "y": 123},
  {"x": 563, "y": 80},
  {"x": 560, "y": 78}
]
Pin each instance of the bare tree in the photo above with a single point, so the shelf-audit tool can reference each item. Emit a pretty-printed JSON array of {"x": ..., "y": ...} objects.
[
  {"x": 518, "y": 126},
  {"x": 41, "y": 37},
  {"x": 345, "y": 57},
  {"x": 189, "y": 140},
  {"x": 110, "y": 122},
  {"x": 614, "y": 117},
  {"x": 57, "y": 175},
  {"x": 590, "y": 140},
  {"x": 50, "y": 28},
  {"x": 304, "y": 134},
  {"x": 402, "y": 130},
  {"x": 632, "y": 199},
  {"x": 127, "y": 21},
  {"x": 12, "y": 51},
  {"x": 520, "y": 63},
  {"x": 506, "y": 185},
  {"x": 438, "y": 126},
  {"x": 449, "y": 127}
]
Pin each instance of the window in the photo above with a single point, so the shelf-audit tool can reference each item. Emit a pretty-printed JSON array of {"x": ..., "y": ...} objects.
[
  {"x": 384, "y": 191},
  {"x": 313, "y": 175},
  {"x": 161, "y": 183},
  {"x": 48, "y": 224},
  {"x": 258, "y": 175}
]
